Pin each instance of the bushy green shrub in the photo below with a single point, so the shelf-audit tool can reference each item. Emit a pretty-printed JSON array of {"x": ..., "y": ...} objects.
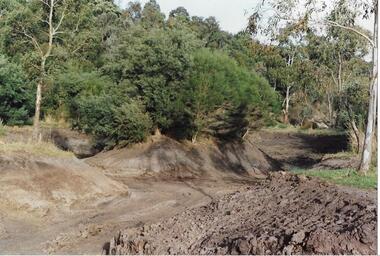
[
  {"x": 111, "y": 123},
  {"x": 132, "y": 124},
  {"x": 95, "y": 115},
  {"x": 157, "y": 63},
  {"x": 16, "y": 96},
  {"x": 225, "y": 98},
  {"x": 351, "y": 106},
  {"x": 69, "y": 83}
]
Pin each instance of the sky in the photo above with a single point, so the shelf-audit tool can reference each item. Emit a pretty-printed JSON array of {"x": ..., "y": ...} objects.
[{"x": 231, "y": 14}]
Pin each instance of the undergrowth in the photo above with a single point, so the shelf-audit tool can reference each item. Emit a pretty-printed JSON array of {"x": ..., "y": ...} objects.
[
  {"x": 38, "y": 149},
  {"x": 346, "y": 177},
  {"x": 293, "y": 129}
]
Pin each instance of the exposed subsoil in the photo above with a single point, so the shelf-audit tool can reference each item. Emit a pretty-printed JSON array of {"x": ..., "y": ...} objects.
[
  {"x": 297, "y": 149},
  {"x": 204, "y": 198},
  {"x": 285, "y": 214}
]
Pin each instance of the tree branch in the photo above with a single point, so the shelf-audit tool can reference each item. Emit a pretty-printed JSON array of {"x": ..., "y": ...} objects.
[
  {"x": 335, "y": 24},
  {"x": 55, "y": 31},
  {"x": 34, "y": 42},
  {"x": 45, "y": 3},
  {"x": 329, "y": 23}
]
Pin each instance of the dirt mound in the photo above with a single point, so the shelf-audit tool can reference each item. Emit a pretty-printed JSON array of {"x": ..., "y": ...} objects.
[
  {"x": 338, "y": 162},
  {"x": 80, "y": 144},
  {"x": 168, "y": 158},
  {"x": 295, "y": 149},
  {"x": 285, "y": 214},
  {"x": 45, "y": 185}
]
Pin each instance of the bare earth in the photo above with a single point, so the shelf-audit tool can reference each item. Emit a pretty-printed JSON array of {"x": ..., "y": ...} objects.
[{"x": 182, "y": 199}]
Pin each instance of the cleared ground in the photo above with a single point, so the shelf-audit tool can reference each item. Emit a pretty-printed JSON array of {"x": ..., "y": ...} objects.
[
  {"x": 58, "y": 204},
  {"x": 284, "y": 214}
]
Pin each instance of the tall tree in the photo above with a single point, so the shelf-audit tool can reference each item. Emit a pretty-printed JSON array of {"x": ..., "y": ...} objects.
[
  {"x": 39, "y": 22},
  {"x": 371, "y": 123},
  {"x": 317, "y": 14}
]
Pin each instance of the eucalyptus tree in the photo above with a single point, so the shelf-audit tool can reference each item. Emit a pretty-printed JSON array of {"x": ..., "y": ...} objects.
[
  {"x": 39, "y": 22},
  {"x": 44, "y": 34},
  {"x": 318, "y": 14}
]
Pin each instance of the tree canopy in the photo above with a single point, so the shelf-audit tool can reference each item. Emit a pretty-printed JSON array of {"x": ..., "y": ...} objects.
[{"x": 120, "y": 74}]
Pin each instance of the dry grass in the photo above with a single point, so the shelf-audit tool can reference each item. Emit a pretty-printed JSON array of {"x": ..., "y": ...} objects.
[
  {"x": 293, "y": 129},
  {"x": 341, "y": 155},
  {"x": 38, "y": 149}
]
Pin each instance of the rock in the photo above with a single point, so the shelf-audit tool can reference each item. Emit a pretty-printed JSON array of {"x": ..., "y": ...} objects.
[
  {"x": 244, "y": 247},
  {"x": 298, "y": 237},
  {"x": 320, "y": 125}
]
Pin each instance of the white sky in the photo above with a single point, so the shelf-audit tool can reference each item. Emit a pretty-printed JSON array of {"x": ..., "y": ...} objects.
[{"x": 231, "y": 14}]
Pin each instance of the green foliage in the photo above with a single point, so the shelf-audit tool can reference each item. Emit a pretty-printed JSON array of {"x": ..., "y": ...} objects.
[
  {"x": 156, "y": 63},
  {"x": 69, "y": 83},
  {"x": 352, "y": 106},
  {"x": 119, "y": 74},
  {"x": 111, "y": 121},
  {"x": 95, "y": 115},
  {"x": 223, "y": 95},
  {"x": 132, "y": 124},
  {"x": 15, "y": 95}
]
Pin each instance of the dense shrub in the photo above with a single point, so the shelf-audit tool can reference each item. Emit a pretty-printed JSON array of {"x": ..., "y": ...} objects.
[
  {"x": 223, "y": 97},
  {"x": 132, "y": 124},
  {"x": 16, "y": 97},
  {"x": 111, "y": 123},
  {"x": 70, "y": 84},
  {"x": 156, "y": 62}
]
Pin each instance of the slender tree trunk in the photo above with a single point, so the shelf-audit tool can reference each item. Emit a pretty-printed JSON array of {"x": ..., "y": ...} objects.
[
  {"x": 367, "y": 147},
  {"x": 330, "y": 106},
  {"x": 194, "y": 138},
  {"x": 157, "y": 132},
  {"x": 357, "y": 136},
  {"x": 36, "y": 121},
  {"x": 286, "y": 107},
  {"x": 245, "y": 134},
  {"x": 340, "y": 87},
  {"x": 52, "y": 31}
]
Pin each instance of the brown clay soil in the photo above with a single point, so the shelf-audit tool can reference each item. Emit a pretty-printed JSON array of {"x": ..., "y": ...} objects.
[
  {"x": 285, "y": 214},
  {"x": 208, "y": 198},
  {"x": 293, "y": 149}
]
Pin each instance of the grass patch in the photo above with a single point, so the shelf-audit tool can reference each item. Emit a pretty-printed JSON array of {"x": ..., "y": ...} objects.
[
  {"x": 341, "y": 155},
  {"x": 292, "y": 129},
  {"x": 346, "y": 177},
  {"x": 38, "y": 149}
]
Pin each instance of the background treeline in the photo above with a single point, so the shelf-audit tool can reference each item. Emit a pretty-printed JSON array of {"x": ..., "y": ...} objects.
[{"x": 122, "y": 74}]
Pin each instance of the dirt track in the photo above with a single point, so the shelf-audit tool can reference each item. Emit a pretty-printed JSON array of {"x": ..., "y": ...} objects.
[
  {"x": 202, "y": 197},
  {"x": 283, "y": 215},
  {"x": 83, "y": 226}
]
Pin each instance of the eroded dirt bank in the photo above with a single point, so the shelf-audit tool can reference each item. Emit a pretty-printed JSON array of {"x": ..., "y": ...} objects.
[
  {"x": 294, "y": 149},
  {"x": 285, "y": 214},
  {"x": 202, "y": 198}
]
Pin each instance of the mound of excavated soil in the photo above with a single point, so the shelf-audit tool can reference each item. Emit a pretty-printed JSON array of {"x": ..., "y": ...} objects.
[
  {"x": 296, "y": 149},
  {"x": 44, "y": 185},
  {"x": 285, "y": 214},
  {"x": 334, "y": 162},
  {"x": 168, "y": 158}
]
